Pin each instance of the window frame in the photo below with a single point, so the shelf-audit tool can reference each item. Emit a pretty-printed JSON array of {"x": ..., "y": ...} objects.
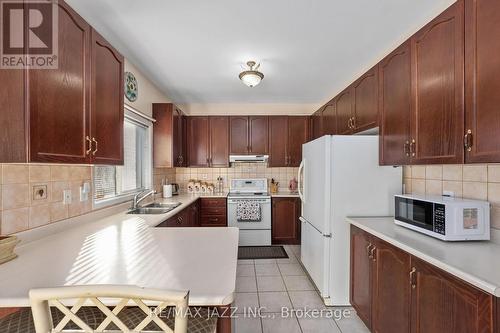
[{"x": 134, "y": 117}]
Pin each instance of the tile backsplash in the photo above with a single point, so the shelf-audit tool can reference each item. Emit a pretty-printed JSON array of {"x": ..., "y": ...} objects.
[
  {"x": 238, "y": 170},
  {"x": 31, "y": 195},
  {"x": 471, "y": 181}
]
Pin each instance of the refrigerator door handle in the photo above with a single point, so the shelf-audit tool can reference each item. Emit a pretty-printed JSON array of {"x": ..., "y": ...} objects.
[{"x": 300, "y": 183}]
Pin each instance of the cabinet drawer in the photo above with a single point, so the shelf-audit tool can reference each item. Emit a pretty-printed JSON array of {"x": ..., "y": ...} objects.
[
  {"x": 212, "y": 221},
  {"x": 213, "y": 202},
  {"x": 213, "y": 210},
  {"x": 179, "y": 220}
]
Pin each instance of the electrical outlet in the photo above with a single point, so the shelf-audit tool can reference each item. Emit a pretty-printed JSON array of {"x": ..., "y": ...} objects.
[
  {"x": 66, "y": 197},
  {"x": 204, "y": 176},
  {"x": 39, "y": 192}
]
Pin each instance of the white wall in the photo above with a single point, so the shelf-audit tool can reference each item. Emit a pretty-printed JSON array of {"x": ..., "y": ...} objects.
[
  {"x": 148, "y": 92},
  {"x": 249, "y": 109}
]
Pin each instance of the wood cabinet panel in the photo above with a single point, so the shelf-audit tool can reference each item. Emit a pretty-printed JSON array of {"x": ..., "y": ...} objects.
[
  {"x": 58, "y": 98},
  {"x": 343, "y": 106},
  {"x": 298, "y": 134},
  {"x": 178, "y": 138},
  {"x": 169, "y": 136},
  {"x": 395, "y": 106},
  {"x": 238, "y": 135},
  {"x": 106, "y": 106},
  {"x": 278, "y": 141},
  {"x": 438, "y": 85},
  {"x": 443, "y": 304},
  {"x": 13, "y": 145},
  {"x": 198, "y": 142},
  {"x": 213, "y": 202},
  {"x": 361, "y": 275},
  {"x": 316, "y": 125},
  {"x": 482, "y": 66},
  {"x": 391, "y": 289},
  {"x": 285, "y": 221},
  {"x": 193, "y": 214},
  {"x": 329, "y": 119},
  {"x": 365, "y": 95},
  {"x": 258, "y": 135},
  {"x": 219, "y": 141}
]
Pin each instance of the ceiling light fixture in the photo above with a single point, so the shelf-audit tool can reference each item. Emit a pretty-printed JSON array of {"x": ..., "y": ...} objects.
[{"x": 252, "y": 76}]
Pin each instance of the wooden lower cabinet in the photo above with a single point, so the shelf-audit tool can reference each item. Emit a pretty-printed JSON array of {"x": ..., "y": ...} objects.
[
  {"x": 393, "y": 292},
  {"x": 361, "y": 277},
  {"x": 442, "y": 303},
  {"x": 213, "y": 212},
  {"x": 188, "y": 217},
  {"x": 285, "y": 221},
  {"x": 390, "y": 288}
]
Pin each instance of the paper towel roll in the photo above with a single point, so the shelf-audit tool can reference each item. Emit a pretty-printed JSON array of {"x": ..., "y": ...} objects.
[{"x": 167, "y": 191}]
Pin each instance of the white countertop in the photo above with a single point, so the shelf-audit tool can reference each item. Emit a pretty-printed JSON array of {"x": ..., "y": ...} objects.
[
  {"x": 285, "y": 194},
  {"x": 475, "y": 262},
  {"x": 127, "y": 249}
]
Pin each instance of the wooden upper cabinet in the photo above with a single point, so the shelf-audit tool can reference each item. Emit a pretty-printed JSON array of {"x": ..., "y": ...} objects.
[
  {"x": 248, "y": 135},
  {"x": 365, "y": 98},
  {"x": 198, "y": 141},
  {"x": 443, "y": 304},
  {"x": 298, "y": 134},
  {"x": 219, "y": 141},
  {"x": 437, "y": 87},
  {"x": 343, "y": 103},
  {"x": 169, "y": 136},
  {"x": 391, "y": 289},
  {"x": 58, "y": 99},
  {"x": 178, "y": 138},
  {"x": 258, "y": 135},
  {"x": 278, "y": 141},
  {"x": 106, "y": 105},
  {"x": 395, "y": 106},
  {"x": 238, "y": 135},
  {"x": 329, "y": 119},
  {"x": 316, "y": 124},
  {"x": 482, "y": 74},
  {"x": 286, "y": 223},
  {"x": 361, "y": 275}
]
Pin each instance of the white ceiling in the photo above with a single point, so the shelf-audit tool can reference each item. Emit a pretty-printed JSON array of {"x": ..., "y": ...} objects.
[{"x": 310, "y": 49}]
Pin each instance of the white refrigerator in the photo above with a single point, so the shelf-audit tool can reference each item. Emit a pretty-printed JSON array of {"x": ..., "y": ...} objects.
[{"x": 340, "y": 176}]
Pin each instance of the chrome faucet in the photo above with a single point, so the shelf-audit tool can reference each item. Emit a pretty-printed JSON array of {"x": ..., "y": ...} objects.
[{"x": 138, "y": 198}]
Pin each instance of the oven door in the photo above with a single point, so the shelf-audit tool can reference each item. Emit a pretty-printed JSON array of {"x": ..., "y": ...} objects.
[
  {"x": 415, "y": 212},
  {"x": 265, "y": 221}
]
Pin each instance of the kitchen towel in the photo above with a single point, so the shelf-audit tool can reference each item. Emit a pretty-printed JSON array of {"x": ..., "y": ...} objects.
[{"x": 248, "y": 211}]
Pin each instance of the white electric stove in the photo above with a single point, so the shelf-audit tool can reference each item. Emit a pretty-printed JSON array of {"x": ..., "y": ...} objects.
[{"x": 252, "y": 233}]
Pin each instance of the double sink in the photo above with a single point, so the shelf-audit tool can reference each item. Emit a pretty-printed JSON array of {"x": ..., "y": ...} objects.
[{"x": 155, "y": 208}]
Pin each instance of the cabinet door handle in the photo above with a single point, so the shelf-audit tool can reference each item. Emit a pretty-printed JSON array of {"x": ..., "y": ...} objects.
[
  {"x": 407, "y": 148},
  {"x": 412, "y": 278},
  {"x": 468, "y": 140},
  {"x": 412, "y": 147},
  {"x": 368, "y": 249},
  {"x": 372, "y": 254},
  {"x": 87, "y": 152},
  {"x": 96, "y": 143},
  {"x": 353, "y": 122}
]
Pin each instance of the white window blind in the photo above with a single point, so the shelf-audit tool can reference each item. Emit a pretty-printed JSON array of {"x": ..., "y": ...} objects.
[{"x": 121, "y": 181}]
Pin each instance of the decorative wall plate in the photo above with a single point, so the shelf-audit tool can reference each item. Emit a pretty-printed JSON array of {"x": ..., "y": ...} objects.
[{"x": 131, "y": 87}]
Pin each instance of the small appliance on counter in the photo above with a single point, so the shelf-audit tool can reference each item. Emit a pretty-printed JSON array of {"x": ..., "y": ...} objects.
[
  {"x": 445, "y": 218},
  {"x": 175, "y": 189}
]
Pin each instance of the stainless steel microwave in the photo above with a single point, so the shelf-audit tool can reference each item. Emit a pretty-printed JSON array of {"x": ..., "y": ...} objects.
[{"x": 446, "y": 218}]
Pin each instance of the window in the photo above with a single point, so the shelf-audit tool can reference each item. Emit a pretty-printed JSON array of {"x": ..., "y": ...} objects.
[{"x": 115, "y": 184}]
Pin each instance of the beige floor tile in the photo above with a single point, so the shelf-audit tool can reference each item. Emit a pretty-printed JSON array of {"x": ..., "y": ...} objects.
[
  {"x": 297, "y": 283},
  {"x": 280, "y": 325},
  {"x": 243, "y": 302},
  {"x": 274, "y": 301},
  {"x": 270, "y": 283},
  {"x": 246, "y": 284}
]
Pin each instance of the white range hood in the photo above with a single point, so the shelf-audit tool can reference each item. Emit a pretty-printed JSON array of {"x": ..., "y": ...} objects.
[{"x": 248, "y": 158}]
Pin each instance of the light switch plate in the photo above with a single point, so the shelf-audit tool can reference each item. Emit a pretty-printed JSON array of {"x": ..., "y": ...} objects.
[
  {"x": 84, "y": 191},
  {"x": 66, "y": 197}
]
